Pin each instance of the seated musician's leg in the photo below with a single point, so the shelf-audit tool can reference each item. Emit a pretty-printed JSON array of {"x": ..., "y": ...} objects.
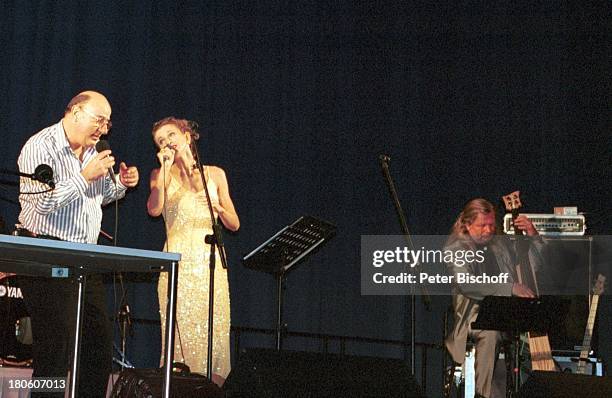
[
  {"x": 487, "y": 343},
  {"x": 499, "y": 383}
]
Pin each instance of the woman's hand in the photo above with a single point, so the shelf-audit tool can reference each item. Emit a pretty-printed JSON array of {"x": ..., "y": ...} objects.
[{"x": 165, "y": 156}]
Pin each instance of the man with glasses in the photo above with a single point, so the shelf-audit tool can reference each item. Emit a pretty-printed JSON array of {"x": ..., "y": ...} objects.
[{"x": 71, "y": 212}]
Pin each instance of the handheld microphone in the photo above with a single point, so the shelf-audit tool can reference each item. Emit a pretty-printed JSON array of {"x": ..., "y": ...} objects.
[
  {"x": 103, "y": 145},
  {"x": 166, "y": 157}
]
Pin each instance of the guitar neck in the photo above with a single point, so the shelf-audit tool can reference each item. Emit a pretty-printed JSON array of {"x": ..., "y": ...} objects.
[{"x": 588, "y": 334}]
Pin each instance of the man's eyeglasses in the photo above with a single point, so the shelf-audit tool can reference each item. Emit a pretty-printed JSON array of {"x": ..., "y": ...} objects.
[{"x": 101, "y": 121}]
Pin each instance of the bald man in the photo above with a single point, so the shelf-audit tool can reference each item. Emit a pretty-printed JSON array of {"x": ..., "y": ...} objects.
[{"x": 72, "y": 211}]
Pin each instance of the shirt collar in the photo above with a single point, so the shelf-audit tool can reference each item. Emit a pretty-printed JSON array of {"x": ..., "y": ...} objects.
[
  {"x": 60, "y": 136},
  {"x": 61, "y": 140}
]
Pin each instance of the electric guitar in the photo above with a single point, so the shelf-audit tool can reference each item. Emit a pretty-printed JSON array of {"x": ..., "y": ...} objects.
[{"x": 588, "y": 333}]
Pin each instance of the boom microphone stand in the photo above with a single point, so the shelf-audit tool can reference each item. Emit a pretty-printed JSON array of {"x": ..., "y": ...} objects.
[
  {"x": 43, "y": 173},
  {"x": 215, "y": 241},
  {"x": 384, "y": 163}
]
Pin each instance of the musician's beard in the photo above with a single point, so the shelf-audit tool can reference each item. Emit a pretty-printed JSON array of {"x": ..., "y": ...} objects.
[{"x": 482, "y": 239}]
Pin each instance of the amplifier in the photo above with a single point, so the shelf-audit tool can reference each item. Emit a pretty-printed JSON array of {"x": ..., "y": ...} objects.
[
  {"x": 569, "y": 365},
  {"x": 551, "y": 224}
]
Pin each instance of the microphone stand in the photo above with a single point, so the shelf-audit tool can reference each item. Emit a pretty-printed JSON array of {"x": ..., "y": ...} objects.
[
  {"x": 215, "y": 240},
  {"x": 384, "y": 163},
  {"x": 124, "y": 318},
  {"x": 125, "y": 323},
  {"x": 123, "y": 314}
]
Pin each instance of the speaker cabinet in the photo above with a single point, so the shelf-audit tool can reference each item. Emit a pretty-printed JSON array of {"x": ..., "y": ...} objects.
[
  {"x": 565, "y": 385},
  {"x": 148, "y": 383},
  {"x": 271, "y": 373}
]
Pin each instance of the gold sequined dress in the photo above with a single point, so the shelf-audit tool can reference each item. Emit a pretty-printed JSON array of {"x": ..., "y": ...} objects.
[{"x": 188, "y": 222}]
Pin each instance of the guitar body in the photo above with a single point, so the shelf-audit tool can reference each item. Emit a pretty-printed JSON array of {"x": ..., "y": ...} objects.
[
  {"x": 539, "y": 349},
  {"x": 539, "y": 345}
]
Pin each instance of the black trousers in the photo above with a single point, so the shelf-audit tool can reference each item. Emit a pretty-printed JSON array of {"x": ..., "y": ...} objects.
[{"x": 51, "y": 303}]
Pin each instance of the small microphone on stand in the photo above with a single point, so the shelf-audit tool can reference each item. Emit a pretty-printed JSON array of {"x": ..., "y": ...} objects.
[
  {"x": 103, "y": 145},
  {"x": 44, "y": 174}
]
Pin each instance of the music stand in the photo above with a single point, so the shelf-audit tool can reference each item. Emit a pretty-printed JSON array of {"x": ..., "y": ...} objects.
[
  {"x": 514, "y": 315},
  {"x": 284, "y": 250}
]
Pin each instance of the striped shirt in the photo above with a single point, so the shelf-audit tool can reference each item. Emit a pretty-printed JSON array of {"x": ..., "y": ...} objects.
[{"x": 73, "y": 210}]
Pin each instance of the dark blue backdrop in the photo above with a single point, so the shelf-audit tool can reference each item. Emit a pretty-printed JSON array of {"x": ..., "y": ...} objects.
[{"x": 296, "y": 100}]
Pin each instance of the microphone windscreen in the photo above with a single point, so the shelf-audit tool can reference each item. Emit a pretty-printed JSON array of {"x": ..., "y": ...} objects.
[
  {"x": 102, "y": 145},
  {"x": 44, "y": 174}
]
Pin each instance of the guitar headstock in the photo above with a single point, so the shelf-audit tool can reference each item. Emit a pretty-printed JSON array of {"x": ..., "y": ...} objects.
[
  {"x": 599, "y": 285},
  {"x": 512, "y": 201}
]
